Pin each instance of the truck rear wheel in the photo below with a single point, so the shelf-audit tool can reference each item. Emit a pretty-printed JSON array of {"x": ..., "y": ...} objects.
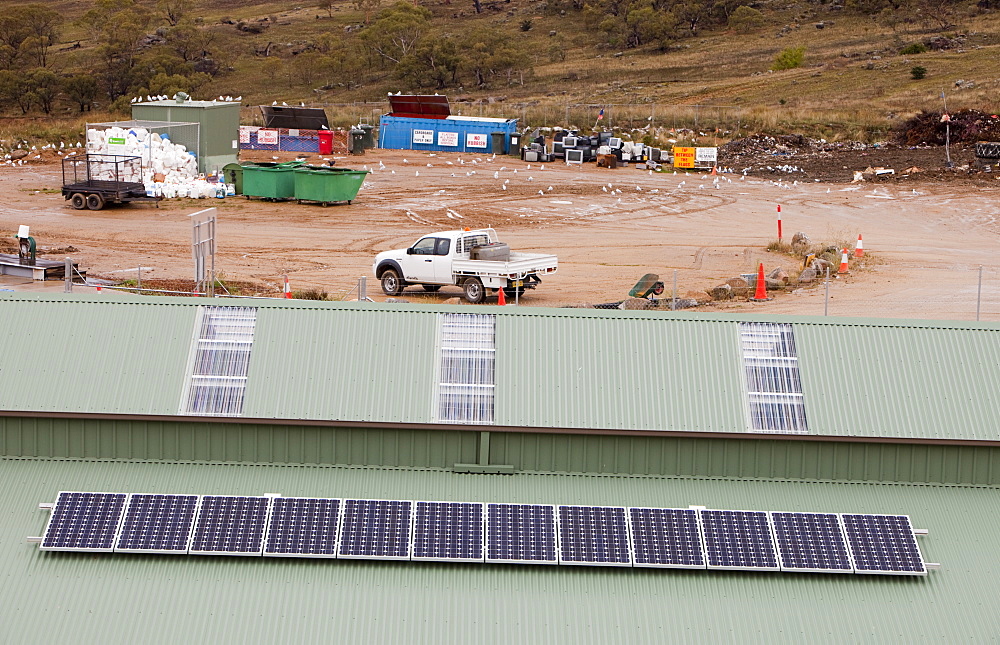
[
  {"x": 95, "y": 202},
  {"x": 78, "y": 201},
  {"x": 391, "y": 283},
  {"x": 474, "y": 291}
]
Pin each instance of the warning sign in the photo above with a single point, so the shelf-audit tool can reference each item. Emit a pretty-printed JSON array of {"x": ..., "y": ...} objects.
[
  {"x": 684, "y": 157},
  {"x": 267, "y": 137},
  {"x": 423, "y": 136},
  {"x": 447, "y": 138},
  {"x": 244, "y": 134},
  {"x": 475, "y": 140}
]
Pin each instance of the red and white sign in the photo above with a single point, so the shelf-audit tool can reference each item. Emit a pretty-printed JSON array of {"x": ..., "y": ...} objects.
[
  {"x": 244, "y": 134},
  {"x": 267, "y": 137},
  {"x": 447, "y": 138},
  {"x": 476, "y": 140}
]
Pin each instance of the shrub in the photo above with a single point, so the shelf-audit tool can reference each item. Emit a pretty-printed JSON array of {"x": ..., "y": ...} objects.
[
  {"x": 913, "y": 48},
  {"x": 918, "y": 72},
  {"x": 789, "y": 58},
  {"x": 746, "y": 19}
]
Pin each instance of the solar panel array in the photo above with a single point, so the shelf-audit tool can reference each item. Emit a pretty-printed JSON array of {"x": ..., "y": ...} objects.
[{"x": 692, "y": 538}]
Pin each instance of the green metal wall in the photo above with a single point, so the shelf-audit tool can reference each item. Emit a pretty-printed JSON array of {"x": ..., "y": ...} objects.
[
  {"x": 220, "y": 127},
  {"x": 443, "y": 449}
]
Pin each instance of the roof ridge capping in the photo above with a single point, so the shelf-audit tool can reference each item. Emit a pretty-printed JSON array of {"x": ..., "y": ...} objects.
[{"x": 549, "y": 312}]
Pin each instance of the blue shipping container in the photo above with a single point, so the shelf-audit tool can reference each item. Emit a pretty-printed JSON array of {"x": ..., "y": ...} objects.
[{"x": 455, "y": 133}]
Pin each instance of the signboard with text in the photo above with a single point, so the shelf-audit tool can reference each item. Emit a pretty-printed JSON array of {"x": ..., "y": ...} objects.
[
  {"x": 447, "y": 138},
  {"x": 684, "y": 157},
  {"x": 423, "y": 136},
  {"x": 267, "y": 137},
  {"x": 476, "y": 140},
  {"x": 706, "y": 155}
]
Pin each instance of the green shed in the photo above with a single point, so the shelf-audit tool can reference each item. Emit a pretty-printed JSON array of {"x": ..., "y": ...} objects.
[{"x": 218, "y": 142}]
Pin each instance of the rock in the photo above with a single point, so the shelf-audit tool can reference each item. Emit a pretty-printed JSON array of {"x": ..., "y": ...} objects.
[
  {"x": 740, "y": 287},
  {"x": 397, "y": 300},
  {"x": 773, "y": 285},
  {"x": 807, "y": 276},
  {"x": 637, "y": 304},
  {"x": 801, "y": 241},
  {"x": 779, "y": 275},
  {"x": 450, "y": 301},
  {"x": 721, "y": 292},
  {"x": 820, "y": 25},
  {"x": 18, "y": 154},
  {"x": 819, "y": 265},
  {"x": 579, "y": 305},
  {"x": 698, "y": 296},
  {"x": 682, "y": 303}
]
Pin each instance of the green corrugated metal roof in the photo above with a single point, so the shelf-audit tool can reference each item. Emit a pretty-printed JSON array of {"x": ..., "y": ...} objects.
[
  {"x": 91, "y": 356},
  {"x": 555, "y": 368},
  {"x": 370, "y": 365},
  {"x": 61, "y": 597}
]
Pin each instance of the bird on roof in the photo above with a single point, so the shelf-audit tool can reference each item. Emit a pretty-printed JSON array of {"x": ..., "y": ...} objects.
[
  {"x": 274, "y": 102},
  {"x": 284, "y": 104}
]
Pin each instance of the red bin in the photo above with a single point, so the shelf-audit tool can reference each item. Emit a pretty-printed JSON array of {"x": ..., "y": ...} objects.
[{"x": 326, "y": 142}]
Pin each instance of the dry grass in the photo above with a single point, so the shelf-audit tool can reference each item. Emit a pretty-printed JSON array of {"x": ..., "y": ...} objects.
[{"x": 853, "y": 85}]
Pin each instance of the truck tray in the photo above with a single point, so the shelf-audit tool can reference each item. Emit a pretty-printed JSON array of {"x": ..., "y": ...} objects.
[{"x": 498, "y": 251}]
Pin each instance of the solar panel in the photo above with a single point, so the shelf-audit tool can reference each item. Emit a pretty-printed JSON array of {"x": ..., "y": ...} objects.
[
  {"x": 303, "y": 527},
  {"x": 84, "y": 522},
  {"x": 666, "y": 537},
  {"x": 230, "y": 525},
  {"x": 738, "y": 540},
  {"x": 376, "y": 529},
  {"x": 594, "y": 535},
  {"x": 811, "y": 542},
  {"x": 157, "y": 524},
  {"x": 883, "y": 544},
  {"x": 521, "y": 533},
  {"x": 450, "y": 531}
]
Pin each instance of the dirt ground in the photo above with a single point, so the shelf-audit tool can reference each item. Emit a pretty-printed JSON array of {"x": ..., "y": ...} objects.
[{"x": 927, "y": 232}]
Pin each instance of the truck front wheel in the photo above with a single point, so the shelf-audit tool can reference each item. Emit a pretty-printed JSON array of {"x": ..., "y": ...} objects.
[
  {"x": 391, "y": 284},
  {"x": 474, "y": 291}
]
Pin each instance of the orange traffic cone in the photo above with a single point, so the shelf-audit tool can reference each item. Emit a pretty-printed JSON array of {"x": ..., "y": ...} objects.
[
  {"x": 843, "y": 262},
  {"x": 288, "y": 288},
  {"x": 760, "y": 294},
  {"x": 859, "y": 249},
  {"x": 98, "y": 288},
  {"x": 501, "y": 299},
  {"x": 715, "y": 171}
]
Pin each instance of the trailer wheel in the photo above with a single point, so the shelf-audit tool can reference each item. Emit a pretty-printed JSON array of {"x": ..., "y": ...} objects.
[
  {"x": 432, "y": 288},
  {"x": 78, "y": 201},
  {"x": 474, "y": 291},
  {"x": 95, "y": 202},
  {"x": 391, "y": 284}
]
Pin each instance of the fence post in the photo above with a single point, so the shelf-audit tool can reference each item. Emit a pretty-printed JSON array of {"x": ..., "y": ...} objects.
[
  {"x": 68, "y": 274},
  {"x": 673, "y": 295},
  {"x": 826, "y": 297},
  {"x": 363, "y": 289},
  {"x": 979, "y": 292}
]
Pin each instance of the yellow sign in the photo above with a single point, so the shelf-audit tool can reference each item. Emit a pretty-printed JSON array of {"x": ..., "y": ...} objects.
[{"x": 684, "y": 157}]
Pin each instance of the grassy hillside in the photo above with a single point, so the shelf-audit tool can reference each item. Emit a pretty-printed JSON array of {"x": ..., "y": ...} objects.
[{"x": 853, "y": 82}]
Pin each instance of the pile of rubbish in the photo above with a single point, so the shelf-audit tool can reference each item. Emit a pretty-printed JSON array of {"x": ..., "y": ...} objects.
[
  {"x": 168, "y": 169},
  {"x": 964, "y": 126}
]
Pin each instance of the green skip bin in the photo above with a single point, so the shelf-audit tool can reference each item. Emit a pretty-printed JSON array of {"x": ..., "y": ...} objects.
[
  {"x": 270, "y": 180},
  {"x": 327, "y": 185}
]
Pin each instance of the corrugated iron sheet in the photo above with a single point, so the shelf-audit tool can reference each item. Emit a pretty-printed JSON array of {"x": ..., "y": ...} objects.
[
  {"x": 562, "y": 368},
  {"x": 61, "y": 597},
  {"x": 94, "y": 356}
]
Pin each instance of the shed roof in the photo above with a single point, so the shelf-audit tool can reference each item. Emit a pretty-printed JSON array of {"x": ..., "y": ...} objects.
[
  {"x": 573, "y": 369},
  {"x": 150, "y": 599}
]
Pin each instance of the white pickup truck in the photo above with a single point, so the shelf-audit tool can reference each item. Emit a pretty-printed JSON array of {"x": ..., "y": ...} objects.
[{"x": 472, "y": 259}]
